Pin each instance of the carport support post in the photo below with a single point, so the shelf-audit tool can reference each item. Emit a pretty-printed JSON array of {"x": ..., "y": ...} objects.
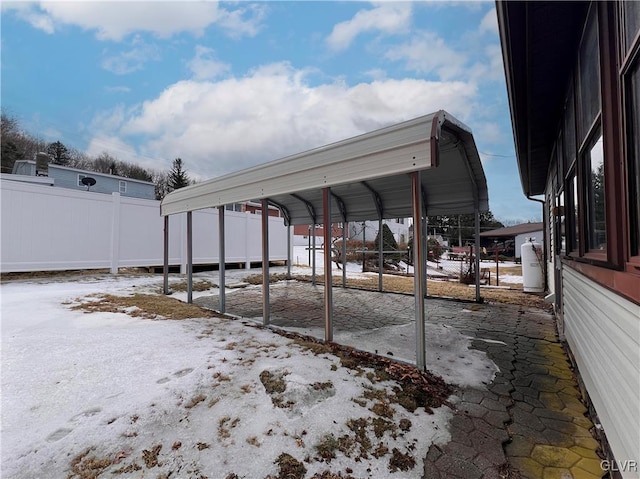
[
  {"x": 189, "y": 257},
  {"x": 477, "y": 260},
  {"x": 425, "y": 248},
  {"x": 328, "y": 280},
  {"x": 265, "y": 262},
  {"x": 344, "y": 253},
  {"x": 222, "y": 259},
  {"x": 380, "y": 254},
  {"x": 313, "y": 254},
  {"x": 165, "y": 261},
  {"x": 418, "y": 269},
  {"x": 289, "y": 251}
]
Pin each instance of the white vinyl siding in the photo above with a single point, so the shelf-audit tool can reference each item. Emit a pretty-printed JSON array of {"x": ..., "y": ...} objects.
[{"x": 603, "y": 332}]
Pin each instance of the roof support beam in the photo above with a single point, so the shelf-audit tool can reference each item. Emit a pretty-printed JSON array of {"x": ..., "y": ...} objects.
[
  {"x": 309, "y": 205},
  {"x": 418, "y": 269},
  {"x": 376, "y": 198},
  {"x": 283, "y": 209},
  {"x": 328, "y": 283},
  {"x": 221, "y": 263},
  {"x": 265, "y": 263},
  {"x": 341, "y": 206},
  {"x": 343, "y": 213}
]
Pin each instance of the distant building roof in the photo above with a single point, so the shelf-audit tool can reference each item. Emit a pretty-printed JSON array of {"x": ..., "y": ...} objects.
[{"x": 513, "y": 230}]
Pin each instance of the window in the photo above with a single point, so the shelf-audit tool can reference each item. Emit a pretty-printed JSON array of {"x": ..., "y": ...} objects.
[
  {"x": 630, "y": 43},
  {"x": 595, "y": 219},
  {"x": 80, "y": 178},
  {"x": 589, "y": 75},
  {"x": 634, "y": 157},
  {"x": 123, "y": 187},
  {"x": 631, "y": 13},
  {"x": 561, "y": 242},
  {"x": 571, "y": 220}
]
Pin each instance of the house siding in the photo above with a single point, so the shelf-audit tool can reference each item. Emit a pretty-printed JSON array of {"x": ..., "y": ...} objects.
[
  {"x": 603, "y": 332},
  {"x": 68, "y": 178}
]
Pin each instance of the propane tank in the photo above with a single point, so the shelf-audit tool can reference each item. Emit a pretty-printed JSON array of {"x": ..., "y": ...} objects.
[{"x": 532, "y": 261}]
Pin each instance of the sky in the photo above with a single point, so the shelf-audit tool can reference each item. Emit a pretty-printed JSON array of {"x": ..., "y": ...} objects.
[
  {"x": 73, "y": 381},
  {"x": 228, "y": 85}
]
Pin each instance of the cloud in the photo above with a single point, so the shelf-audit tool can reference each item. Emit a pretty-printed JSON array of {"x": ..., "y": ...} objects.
[
  {"x": 28, "y": 13},
  {"x": 132, "y": 60},
  {"x": 489, "y": 23},
  {"x": 205, "y": 66},
  {"x": 273, "y": 111},
  {"x": 388, "y": 18},
  {"x": 118, "y": 89},
  {"x": 113, "y": 20},
  {"x": 426, "y": 53}
]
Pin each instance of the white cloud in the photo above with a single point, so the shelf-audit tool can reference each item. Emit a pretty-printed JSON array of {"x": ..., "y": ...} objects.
[
  {"x": 273, "y": 111},
  {"x": 388, "y": 18},
  {"x": 114, "y": 20},
  {"x": 205, "y": 66},
  {"x": 28, "y": 13},
  {"x": 428, "y": 54},
  {"x": 118, "y": 89},
  {"x": 133, "y": 59},
  {"x": 489, "y": 23}
]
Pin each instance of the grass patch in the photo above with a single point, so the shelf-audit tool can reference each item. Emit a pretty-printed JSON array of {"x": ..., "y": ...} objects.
[
  {"x": 383, "y": 409},
  {"x": 327, "y": 447},
  {"x": 400, "y": 461},
  {"x": 380, "y": 426},
  {"x": 195, "y": 400},
  {"x": 150, "y": 457},
  {"x": 447, "y": 289},
  {"x": 290, "y": 467},
  {"x": 147, "y": 306},
  {"x": 273, "y": 383},
  {"x": 85, "y": 466},
  {"x": 201, "y": 285}
]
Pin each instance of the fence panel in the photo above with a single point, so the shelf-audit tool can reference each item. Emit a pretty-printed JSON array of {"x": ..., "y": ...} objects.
[{"x": 46, "y": 228}]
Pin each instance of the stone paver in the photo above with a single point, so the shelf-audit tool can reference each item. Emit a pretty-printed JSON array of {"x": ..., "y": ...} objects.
[{"x": 529, "y": 422}]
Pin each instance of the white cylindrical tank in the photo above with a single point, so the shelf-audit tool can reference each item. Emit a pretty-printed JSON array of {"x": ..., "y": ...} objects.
[{"x": 532, "y": 261}]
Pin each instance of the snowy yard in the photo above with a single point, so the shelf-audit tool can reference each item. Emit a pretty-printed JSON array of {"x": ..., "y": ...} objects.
[{"x": 114, "y": 395}]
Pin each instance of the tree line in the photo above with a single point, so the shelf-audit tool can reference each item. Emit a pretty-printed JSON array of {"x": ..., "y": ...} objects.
[{"x": 16, "y": 145}]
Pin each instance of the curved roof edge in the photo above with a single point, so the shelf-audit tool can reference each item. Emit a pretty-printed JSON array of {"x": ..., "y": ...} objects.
[{"x": 437, "y": 144}]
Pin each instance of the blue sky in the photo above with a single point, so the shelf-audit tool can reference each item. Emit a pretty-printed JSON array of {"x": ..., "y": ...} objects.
[{"x": 229, "y": 85}]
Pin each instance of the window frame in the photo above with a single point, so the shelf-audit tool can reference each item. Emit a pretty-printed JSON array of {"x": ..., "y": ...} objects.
[
  {"x": 629, "y": 58},
  {"x": 122, "y": 186}
]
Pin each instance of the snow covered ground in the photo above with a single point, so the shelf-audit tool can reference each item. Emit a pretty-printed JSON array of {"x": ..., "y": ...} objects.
[{"x": 187, "y": 398}]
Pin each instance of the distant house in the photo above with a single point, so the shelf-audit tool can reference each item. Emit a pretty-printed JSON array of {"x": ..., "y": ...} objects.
[
  {"x": 573, "y": 80},
  {"x": 512, "y": 238},
  {"x": 67, "y": 177}
]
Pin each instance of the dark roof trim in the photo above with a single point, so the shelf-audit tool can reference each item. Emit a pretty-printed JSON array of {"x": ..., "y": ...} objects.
[
  {"x": 513, "y": 230},
  {"x": 539, "y": 47}
]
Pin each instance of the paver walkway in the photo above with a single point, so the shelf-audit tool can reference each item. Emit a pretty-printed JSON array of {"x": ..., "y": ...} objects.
[{"x": 529, "y": 422}]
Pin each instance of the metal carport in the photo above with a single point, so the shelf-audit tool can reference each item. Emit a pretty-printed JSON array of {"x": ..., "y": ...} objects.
[{"x": 425, "y": 166}]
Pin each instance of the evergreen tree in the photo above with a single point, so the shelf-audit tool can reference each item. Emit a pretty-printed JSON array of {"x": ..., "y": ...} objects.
[
  {"x": 389, "y": 243},
  {"x": 178, "y": 176},
  {"x": 59, "y": 153}
]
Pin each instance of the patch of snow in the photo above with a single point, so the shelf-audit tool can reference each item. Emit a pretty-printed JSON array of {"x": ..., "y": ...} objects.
[
  {"x": 511, "y": 278},
  {"x": 122, "y": 385}
]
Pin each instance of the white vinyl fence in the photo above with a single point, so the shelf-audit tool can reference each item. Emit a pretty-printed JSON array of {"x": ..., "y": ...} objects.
[{"x": 44, "y": 228}]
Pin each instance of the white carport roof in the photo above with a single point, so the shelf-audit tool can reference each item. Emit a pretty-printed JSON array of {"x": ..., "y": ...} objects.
[{"x": 368, "y": 176}]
